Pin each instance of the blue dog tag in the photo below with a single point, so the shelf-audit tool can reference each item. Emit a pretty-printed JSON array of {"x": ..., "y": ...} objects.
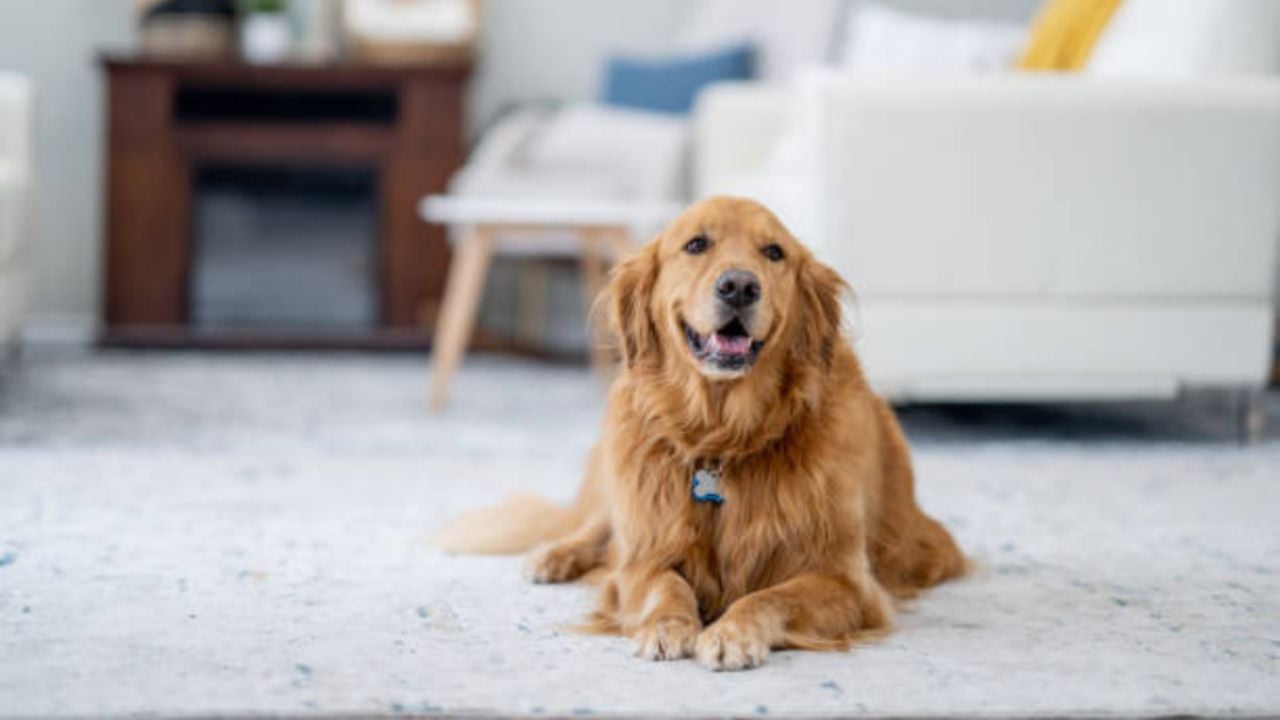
[{"x": 706, "y": 486}]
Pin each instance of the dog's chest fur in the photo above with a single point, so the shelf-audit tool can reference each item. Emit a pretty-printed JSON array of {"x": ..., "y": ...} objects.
[{"x": 772, "y": 517}]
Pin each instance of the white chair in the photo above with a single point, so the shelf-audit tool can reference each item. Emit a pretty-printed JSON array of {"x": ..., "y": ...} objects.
[
  {"x": 602, "y": 231},
  {"x": 598, "y": 155},
  {"x": 17, "y": 183}
]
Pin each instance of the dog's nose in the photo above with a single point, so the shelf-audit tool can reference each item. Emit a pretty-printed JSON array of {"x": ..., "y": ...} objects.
[{"x": 738, "y": 288}]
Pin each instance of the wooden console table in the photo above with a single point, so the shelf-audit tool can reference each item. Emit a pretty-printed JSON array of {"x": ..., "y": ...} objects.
[{"x": 167, "y": 119}]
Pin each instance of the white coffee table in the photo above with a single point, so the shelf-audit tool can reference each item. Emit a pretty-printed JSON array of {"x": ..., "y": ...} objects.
[{"x": 606, "y": 230}]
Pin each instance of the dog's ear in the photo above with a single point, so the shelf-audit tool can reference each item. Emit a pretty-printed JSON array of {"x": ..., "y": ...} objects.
[
  {"x": 821, "y": 319},
  {"x": 629, "y": 298}
]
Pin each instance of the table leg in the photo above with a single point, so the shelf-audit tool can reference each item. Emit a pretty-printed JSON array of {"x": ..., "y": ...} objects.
[
  {"x": 624, "y": 243},
  {"x": 458, "y": 314},
  {"x": 599, "y": 245},
  {"x": 531, "y": 310},
  {"x": 593, "y": 282}
]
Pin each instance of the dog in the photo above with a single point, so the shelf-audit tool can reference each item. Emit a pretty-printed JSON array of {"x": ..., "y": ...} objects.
[{"x": 749, "y": 492}]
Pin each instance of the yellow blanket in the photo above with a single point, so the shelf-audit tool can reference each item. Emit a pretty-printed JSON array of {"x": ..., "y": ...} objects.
[{"x": 1065, "y": 32}]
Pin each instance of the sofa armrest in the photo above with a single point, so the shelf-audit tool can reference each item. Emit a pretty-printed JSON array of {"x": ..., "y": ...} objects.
[
  {"x": 736, "y": 128},
  {"x": 1049, "y": 186}
]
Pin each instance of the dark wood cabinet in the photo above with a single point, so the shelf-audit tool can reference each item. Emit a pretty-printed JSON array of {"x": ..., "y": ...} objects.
[{"x": 168, "y": 120}]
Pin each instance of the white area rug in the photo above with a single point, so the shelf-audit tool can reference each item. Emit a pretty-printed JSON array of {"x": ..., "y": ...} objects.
[{"x": 227, "y": 534}]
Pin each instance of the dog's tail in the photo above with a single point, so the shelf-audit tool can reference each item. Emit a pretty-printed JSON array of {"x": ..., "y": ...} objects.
[
  {"x": 514, "y": 526},
  {"x": 524, "y": 520}
]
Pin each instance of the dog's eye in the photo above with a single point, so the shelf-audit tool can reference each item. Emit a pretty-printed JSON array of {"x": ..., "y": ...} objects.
[
  {"x": 698, "y": 245},
  {"x": 773, "y": 252}
]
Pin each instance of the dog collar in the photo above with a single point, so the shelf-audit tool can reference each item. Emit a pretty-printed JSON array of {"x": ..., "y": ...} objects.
[{"x": 705, "y": 484}]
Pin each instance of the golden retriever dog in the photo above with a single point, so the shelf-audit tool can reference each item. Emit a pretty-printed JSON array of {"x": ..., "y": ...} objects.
[{"x": 750, "y": 492}]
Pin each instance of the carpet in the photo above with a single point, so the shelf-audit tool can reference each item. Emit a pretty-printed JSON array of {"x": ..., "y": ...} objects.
[{"x": 238, "y": 534}]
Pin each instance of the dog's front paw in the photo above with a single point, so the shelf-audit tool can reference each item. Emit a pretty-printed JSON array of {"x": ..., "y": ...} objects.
[
  {"x": 670, "y": 638},
  {"x": 554, "y": 564},
  {"x": 732, "y": 645}
]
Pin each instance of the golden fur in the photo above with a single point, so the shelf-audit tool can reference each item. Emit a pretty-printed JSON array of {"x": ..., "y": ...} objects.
[{"x": 819, "y": 529}]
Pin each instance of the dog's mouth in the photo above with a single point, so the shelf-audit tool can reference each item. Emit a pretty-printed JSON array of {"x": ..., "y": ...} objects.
[{"x": 728, "y": 349}]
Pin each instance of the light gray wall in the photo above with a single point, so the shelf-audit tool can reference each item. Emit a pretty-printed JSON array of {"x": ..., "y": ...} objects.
[
  {"x": 988, "y": 9},
  {"x": 535, "y": 49},
  {"x": 531, "y": 49},
  {"x": 56, "y": 43}
]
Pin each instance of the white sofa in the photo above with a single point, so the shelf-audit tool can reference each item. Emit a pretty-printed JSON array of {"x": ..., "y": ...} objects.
[
  {"x": 16, "y": 200},
  {"x": 1027, "y": 237}
]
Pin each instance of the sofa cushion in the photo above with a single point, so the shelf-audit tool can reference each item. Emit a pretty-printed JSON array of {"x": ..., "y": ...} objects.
[
  {"x": 670, "y": 85},
  {"x": 645, "y": 151},
  {"x": 580, "y": 150},
  {"x": 1182, "y": 38},
  {"x": 509, "y": 135}
]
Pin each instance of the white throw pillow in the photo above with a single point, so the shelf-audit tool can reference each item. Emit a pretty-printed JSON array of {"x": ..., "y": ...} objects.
[
  {"x": 646, "y": 150},
  {"x": 1183, "y": 38},
  {"x": 878, "y": 38},
  {"x": 788, "y": 35}
]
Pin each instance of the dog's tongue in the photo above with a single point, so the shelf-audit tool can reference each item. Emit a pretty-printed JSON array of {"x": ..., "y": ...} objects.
[{"x": 729, "y": 344}]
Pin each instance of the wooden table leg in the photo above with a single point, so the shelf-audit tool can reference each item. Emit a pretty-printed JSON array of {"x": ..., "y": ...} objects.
[
  {"x": 531, "y": 308},
  {"x": 458, "y": 313},
  {"x": 593, "y": 280},
  {"x": 624, "y": 243},
  {"x": 601, "y": 247}
]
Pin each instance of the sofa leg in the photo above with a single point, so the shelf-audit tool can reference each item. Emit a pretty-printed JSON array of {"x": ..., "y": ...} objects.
[{"x": 1250, "y": 414}]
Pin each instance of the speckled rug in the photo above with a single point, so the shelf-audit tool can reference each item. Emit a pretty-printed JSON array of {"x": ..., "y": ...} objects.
[{"x": 190, "y": 534}]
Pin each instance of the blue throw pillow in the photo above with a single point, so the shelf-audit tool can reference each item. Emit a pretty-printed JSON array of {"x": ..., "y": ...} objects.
[{"x": 671, "y": 85}]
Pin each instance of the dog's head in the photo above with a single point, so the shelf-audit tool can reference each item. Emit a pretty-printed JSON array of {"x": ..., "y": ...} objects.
[{"x": 725, "y": 287}]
